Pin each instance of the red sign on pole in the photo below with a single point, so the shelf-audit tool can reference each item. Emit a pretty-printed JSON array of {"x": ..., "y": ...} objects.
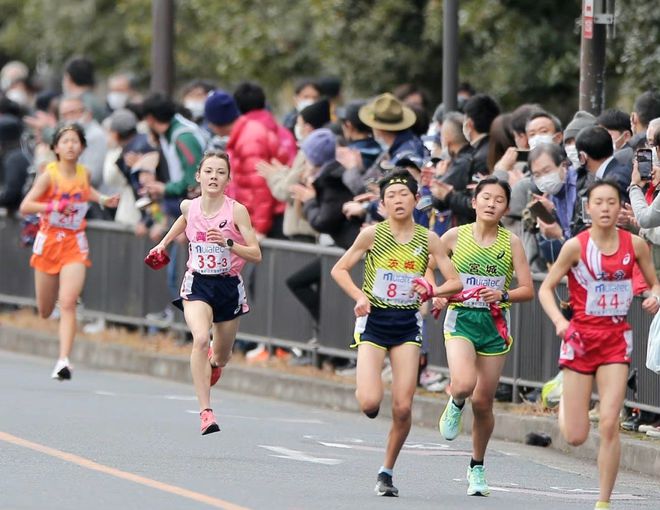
[{"x": 588, "y": 19}]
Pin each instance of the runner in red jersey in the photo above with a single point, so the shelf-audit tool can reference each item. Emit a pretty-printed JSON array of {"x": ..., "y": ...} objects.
[{"x": 597, "y": 342}]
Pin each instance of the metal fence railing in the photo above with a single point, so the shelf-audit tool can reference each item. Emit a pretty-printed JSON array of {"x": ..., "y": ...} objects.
[{"x": 120, "y": 288}]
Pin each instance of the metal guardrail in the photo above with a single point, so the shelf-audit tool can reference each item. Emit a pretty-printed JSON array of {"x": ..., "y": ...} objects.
[{"x": 120, "y": 288}]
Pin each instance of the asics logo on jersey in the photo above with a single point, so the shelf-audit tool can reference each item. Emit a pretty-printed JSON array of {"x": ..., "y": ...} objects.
[
  {"x": 500, "y": 255},
  {"x": 222, "y": 223},
  {"x": 626, "y": 259}
]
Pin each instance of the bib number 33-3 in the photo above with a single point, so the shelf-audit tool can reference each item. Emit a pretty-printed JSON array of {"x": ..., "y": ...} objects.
[{"x": 209, "y": 259}]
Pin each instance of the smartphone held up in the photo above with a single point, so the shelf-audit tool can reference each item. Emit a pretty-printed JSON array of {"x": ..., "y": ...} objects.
[{"x": 644, "y": 159}]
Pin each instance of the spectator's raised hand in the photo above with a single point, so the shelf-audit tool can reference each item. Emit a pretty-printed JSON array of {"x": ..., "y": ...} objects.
[
  {"x": 427, "y": 174},
  {"x": 441, "y": 167},
  {"x": 349, "y": 158},
  {"x": 547, "y": 203},
  {"x": 353, "y": 209},
  {"x": 441, "y": 190},
  {"x": 635, "y": 177},
  {"x": 550, "y": 230},
  {"x": 302, "y": 193},
  {"x": 155, "y": 189},
  {"x": 627, "y": 217},
  {"x": 266, "y": 169},
  {"x": 508, "y": 160}
]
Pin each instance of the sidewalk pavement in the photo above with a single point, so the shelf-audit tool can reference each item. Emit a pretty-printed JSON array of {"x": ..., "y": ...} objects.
[{"x": 636, "y": 454}]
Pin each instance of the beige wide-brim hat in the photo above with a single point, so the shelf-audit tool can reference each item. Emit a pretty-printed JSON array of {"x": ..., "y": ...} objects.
[{"x": 386, "y": 112}]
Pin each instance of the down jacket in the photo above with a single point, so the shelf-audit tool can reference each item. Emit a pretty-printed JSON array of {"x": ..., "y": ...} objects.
[{"x": 254, "y": 137}]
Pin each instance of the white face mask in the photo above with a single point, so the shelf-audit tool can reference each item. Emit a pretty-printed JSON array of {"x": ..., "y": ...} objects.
[
  {"x": 116, "y": 100},
  {"x": 572, "y": 153},
  {"x": 539, "y": 139},
  {"x": 303, "y": 103},
  {"x": 298, "y": 132},
  {"x": 18, "y": 96},
  {"x": 466, "y": 132},
  {"x": 549, "y": 183},
  {"x": 196, "y": 108}
]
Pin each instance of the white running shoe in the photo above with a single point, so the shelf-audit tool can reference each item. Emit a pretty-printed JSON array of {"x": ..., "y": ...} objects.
[{"x": 62, "y": 370}]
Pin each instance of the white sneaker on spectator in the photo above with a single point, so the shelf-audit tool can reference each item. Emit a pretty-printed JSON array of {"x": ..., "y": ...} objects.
[
  {"x": 94, "y": 327},
  {"x": 165, "y": 316},
  {"x": 256, "y": 352}
]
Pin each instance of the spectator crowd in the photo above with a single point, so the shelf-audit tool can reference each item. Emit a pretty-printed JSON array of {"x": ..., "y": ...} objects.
[{"x": 312, "y": 175}]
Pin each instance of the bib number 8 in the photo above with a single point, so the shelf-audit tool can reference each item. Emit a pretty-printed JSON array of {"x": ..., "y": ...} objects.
[{"x": 391, "y": 290}]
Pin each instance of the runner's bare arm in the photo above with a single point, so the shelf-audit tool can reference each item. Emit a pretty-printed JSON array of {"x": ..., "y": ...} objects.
[
  {"x": 440, "y": 253},
  {"x": 31, "y": 204},
  {"x": 251, "y": 250},
  {"x": 652, "y": 303},
  {"x": 524, "y": 291},
  {"x": 175, "y": 231},
  {"x": 341, "y": 271},
  {"x": 568, "y": 257}
]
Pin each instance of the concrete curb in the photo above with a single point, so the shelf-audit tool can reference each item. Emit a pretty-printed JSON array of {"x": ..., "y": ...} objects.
[{"x": 636, "y": 455}]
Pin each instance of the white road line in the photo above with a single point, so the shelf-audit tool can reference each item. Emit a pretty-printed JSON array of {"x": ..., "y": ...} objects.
[{"x": 285, "y": 453}]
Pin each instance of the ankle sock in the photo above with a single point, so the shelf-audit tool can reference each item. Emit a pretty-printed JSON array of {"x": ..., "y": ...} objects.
[
  {"x": 385, "y": 470},
  {"x": 476, "y": 463},
  {"x": 605, "y": 505},
  {"x": 460, "y": 406}
]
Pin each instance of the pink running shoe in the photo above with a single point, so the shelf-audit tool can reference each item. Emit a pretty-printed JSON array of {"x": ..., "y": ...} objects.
[
  {"x": 209, "y": 426},
  {"x": 216, "y": 372}
]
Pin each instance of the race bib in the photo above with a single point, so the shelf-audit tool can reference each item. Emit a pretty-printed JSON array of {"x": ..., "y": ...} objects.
[
  {"x": 395, "y": 288},
  {"x": 609, "y": 298},
  {"x": 39, "y": 242},
  {"x": 209, "y": 258},
  {"x": 470, "y": 281},
  {"x": 70, "y": 221}
]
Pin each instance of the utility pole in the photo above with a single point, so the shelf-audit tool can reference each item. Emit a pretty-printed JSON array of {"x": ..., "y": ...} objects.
[
  {"x": 450, "y": 54},
  {"x": 162, "y": 46},
  {"x": 597, "y": 24}
]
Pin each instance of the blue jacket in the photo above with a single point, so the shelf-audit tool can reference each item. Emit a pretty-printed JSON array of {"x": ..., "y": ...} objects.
[
  {"x": 407, "y": 145},
  {"x": 565, "y": 202}
]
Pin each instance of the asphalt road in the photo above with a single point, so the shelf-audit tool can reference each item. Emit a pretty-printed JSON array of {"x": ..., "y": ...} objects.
[{"x": 108, "y": 440}]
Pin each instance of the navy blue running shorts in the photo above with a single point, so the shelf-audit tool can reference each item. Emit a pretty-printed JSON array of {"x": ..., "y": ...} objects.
[
  {"x": 388, "y": 327},
  {"x": 224, "y": 294}
]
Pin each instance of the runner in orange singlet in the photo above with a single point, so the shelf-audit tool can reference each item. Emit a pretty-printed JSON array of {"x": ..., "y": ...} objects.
[{"x": 60, "y": 253}]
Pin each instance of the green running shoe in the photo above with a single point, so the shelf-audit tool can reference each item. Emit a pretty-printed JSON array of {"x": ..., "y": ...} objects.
[
  {"x": 477, "y": 481},
  {"x": 450, "y": 421}
]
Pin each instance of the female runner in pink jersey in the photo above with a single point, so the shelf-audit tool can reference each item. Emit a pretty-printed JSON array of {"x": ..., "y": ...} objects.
[
  {"x": 221, "y": 239},
  {"x": 597, "y": 342}
]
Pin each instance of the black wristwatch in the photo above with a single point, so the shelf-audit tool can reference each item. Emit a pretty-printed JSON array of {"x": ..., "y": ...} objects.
[
  {"x": 230, "y": 243},
  {"x": 505, "y": 297}
]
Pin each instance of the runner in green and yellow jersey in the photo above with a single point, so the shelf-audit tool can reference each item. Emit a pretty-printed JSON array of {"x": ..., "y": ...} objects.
[{"x": 387, "y": 307}]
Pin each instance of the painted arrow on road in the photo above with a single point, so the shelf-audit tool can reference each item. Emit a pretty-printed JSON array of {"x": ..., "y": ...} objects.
[{"x": 285, "y": 453}]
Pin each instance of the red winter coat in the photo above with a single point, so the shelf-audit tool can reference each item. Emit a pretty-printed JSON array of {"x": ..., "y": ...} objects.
[{"x": 255, "y": 137}]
